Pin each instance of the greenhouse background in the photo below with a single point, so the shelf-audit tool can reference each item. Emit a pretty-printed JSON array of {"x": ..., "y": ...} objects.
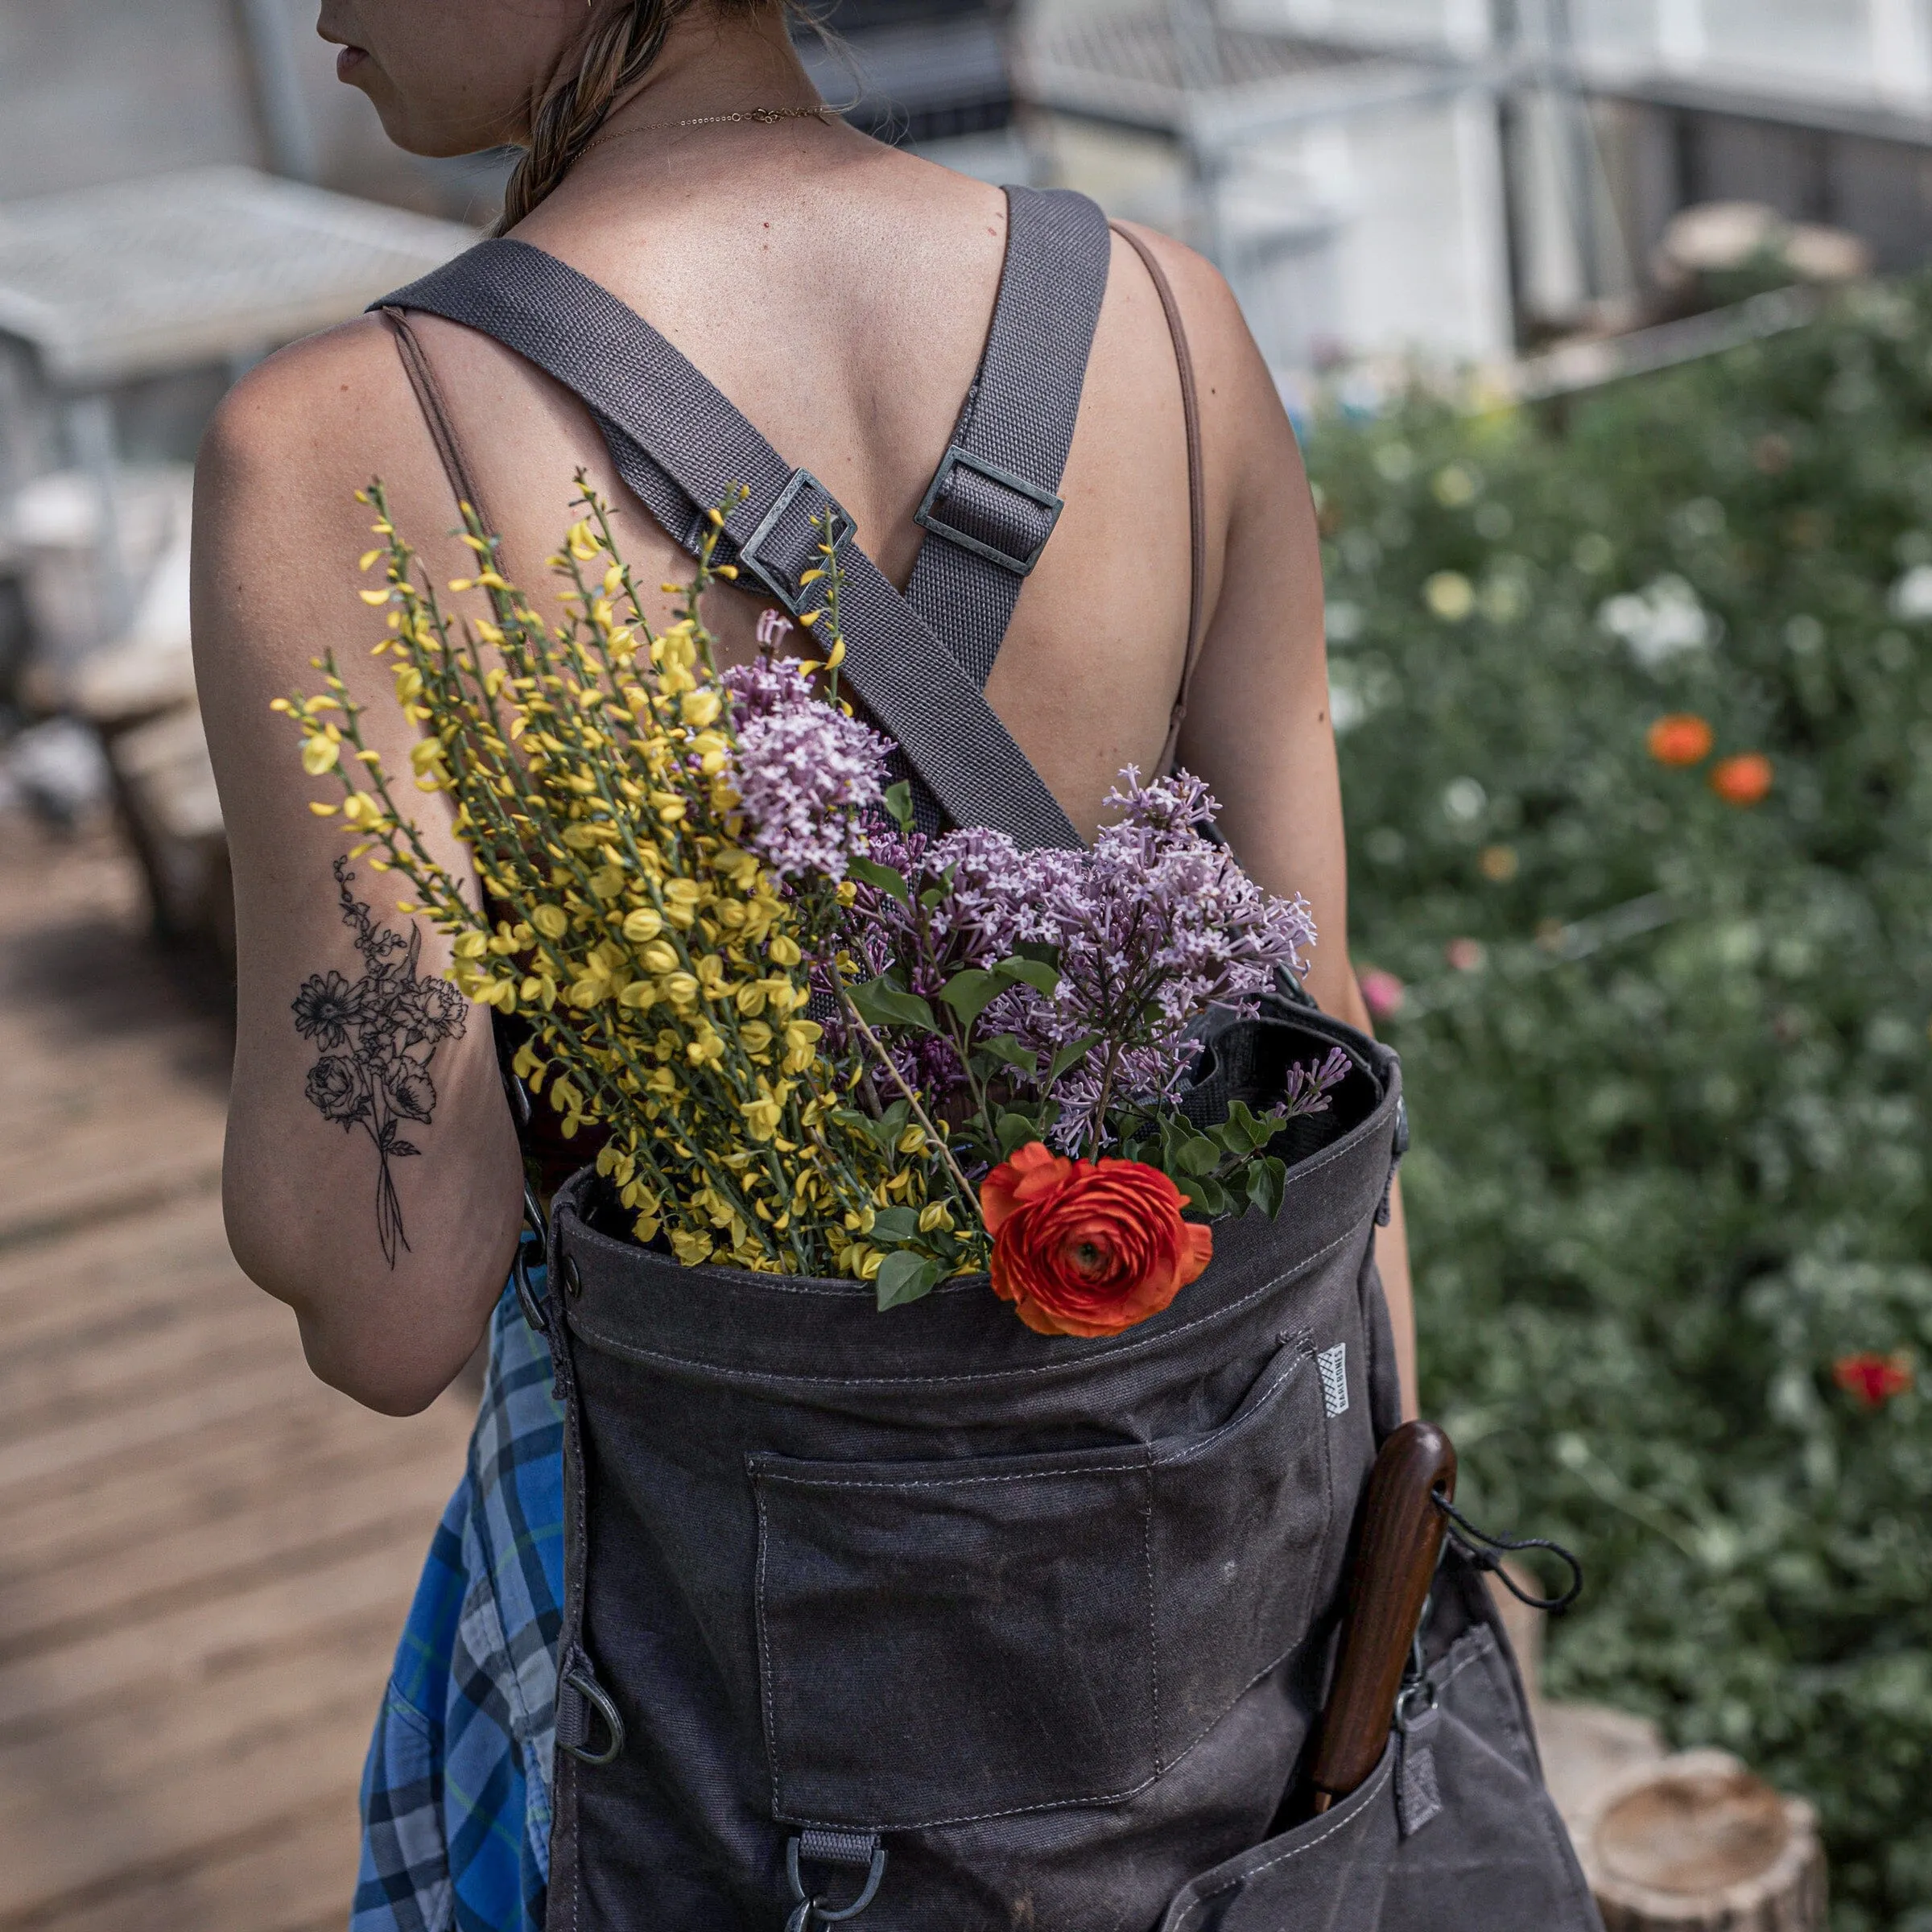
[{"x": 1608, "y": 328}]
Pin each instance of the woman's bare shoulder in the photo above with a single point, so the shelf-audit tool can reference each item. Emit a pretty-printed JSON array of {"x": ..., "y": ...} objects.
[
  {"x": 276, "y": 480},
  {"x": 1238, "y": 399},
  {"x": 336, "y": 400}
]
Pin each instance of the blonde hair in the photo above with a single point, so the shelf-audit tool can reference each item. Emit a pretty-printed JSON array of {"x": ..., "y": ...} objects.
[{"x": 617, "y": 49}]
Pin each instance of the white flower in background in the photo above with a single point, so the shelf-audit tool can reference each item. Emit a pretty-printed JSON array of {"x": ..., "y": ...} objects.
[
  {"x": 1343, "y": 620},
  {"x": 1659, "y": 622},
  {"x": 1450, "y": 595},
  {"x": 1911, "y": 594},
  {"x": 1358, "y": 688}
]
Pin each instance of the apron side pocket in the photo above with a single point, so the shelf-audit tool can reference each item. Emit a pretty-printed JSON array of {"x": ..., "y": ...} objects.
[{"x": 1328, "y": 1875}]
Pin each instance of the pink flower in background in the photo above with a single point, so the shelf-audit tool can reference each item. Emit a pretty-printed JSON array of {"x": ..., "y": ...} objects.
[
  {"x": 1384, "y": 992},
  {"x": 1465, "y": 955},
  {"x": 1870, "y": 1379}
]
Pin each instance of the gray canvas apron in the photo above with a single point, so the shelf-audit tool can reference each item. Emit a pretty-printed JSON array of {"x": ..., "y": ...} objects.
[{"x": 984, "y": 1628}]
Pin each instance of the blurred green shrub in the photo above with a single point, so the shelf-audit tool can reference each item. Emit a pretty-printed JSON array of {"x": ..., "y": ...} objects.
[{"x": 1668, "y": 1055}]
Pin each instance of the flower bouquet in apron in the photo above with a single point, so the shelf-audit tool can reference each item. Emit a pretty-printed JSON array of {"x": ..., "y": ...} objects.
[{"x": 971, "y": 1351}]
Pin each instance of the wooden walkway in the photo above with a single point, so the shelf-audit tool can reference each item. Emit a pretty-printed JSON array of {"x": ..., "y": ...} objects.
[{"x": 205, "y": 1555}]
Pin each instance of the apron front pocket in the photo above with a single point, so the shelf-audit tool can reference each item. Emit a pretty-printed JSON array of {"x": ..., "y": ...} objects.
[
  {"x": 943, "y": 1641},
  {"x": 939, "y": 1641}
]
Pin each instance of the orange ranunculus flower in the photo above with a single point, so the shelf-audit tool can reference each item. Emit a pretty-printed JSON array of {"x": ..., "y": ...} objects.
[
  {"x": 1743, "y": 780},
  {"x": 1087, "y": 1248},
  {"x": 1680, "y": 737}
]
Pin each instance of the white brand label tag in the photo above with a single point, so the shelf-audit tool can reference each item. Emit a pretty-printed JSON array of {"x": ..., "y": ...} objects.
[{"x": 1333, "y": 1363}]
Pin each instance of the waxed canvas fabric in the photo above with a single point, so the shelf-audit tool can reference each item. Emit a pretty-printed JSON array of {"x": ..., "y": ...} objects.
[{"x": 1051, "y": 1617}]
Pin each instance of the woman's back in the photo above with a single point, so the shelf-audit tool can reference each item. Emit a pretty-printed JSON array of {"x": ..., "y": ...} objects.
[{"x": 839, "y": 293}]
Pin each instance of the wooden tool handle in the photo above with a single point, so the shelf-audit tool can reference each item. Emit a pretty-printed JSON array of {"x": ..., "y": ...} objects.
[{"x": 1398, "y": 1539}]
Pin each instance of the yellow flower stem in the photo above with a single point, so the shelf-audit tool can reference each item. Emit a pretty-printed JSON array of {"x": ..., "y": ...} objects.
[{"x": 912, "y": 1100}]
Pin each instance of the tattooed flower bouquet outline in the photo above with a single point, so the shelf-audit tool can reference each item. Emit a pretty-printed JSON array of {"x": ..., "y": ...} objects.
[{"x": 377, "y": 1036}]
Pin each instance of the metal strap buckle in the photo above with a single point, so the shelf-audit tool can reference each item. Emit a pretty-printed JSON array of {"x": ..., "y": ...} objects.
[
  {"x": 956, "y": 458},
  {"x": 792, "y": 596}
]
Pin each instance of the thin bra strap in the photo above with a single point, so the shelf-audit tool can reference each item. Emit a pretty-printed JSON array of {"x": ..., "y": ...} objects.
[
  {"x": 421, "y": 374},
  {"x": 994, "y": 500},
  {"x": 685, "y": 450},
  {"x": 1197, "y": 508}
]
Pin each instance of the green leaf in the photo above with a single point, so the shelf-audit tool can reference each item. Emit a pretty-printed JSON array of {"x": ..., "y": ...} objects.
[
  {"x": 869, "y": 872},
  {"x": 968, "y": 993},
  {"x": 880, "y": 1003},
  {"x": 1248, "y": 1131},
  {"x": 1204, "y": 1191},
  {"x": 1040, "y": 974},
  {"x": 904, "y": 1276},
  {"x": 1015, "y": 1131},
  {"x": 892, "y": 1225},
  {"x": 1004, "y": 1049},
  {"x": 898, "y": 802},
  {"x": 887, "y": 1129},
  {"x": 1073, "y": 1050},
  {"x": 1194, "y": 1153},
  {"x": 1267, "y": 1180}
]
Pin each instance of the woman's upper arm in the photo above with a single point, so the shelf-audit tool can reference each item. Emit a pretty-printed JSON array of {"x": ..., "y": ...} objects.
[{"x": 371, "y": 1176}]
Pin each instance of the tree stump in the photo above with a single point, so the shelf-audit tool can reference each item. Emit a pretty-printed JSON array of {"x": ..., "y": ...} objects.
[{"x": 1696, "y": 1844}]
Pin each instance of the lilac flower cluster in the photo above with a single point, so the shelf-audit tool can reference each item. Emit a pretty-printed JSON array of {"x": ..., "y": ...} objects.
[
  {"x": 977, "y": 880},
  {"x": 1155, "y": 924},
  {"x": 1151, "y": 926},
  {"x": 805, "y": 772}
]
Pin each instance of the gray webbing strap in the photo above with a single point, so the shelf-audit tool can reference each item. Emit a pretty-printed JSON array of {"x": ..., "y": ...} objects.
[
  {"x": 683, "y": 447},
  {"x": 994, "y": 500}
]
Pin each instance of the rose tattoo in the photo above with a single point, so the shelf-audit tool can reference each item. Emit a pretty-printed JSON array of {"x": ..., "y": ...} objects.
[{"x": 377, "y": 1036}]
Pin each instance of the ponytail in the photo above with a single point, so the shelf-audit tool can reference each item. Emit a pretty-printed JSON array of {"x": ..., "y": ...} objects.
[{"x": 617, "y": 50}]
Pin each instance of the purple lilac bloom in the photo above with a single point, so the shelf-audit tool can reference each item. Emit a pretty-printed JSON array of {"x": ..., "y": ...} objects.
[
  {"x": 768, "y": 684},
  {"x": 976, "y": 922},
  {"x": 805, "y": 772},
  {"x": 1307, "y": 1087},
  {"x": 1153, "y": 925}
]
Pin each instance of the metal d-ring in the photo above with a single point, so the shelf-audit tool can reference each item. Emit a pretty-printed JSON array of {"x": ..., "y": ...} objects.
[
  {"x": 594, "y": 1694},
  {"x": 809, "y": 1909}
]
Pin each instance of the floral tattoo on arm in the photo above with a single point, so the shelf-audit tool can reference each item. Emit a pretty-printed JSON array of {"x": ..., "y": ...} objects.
[{"x": 377, "y": 1035}]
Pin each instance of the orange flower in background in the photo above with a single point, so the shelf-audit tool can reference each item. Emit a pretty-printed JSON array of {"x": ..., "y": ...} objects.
[
  {"x": 1743, "y": 780},
  {"x": 1872, "y": 1380},
  {"x": 1679, "y": 738},
  {"x": 1082, "y": 1248}
]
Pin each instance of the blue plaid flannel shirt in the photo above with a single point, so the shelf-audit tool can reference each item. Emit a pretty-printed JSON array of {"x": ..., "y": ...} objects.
[{"x": 456, "y": 1795}]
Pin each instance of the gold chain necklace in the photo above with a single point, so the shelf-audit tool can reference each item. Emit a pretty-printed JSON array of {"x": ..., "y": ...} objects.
[{"x": 763, "y": 116}]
